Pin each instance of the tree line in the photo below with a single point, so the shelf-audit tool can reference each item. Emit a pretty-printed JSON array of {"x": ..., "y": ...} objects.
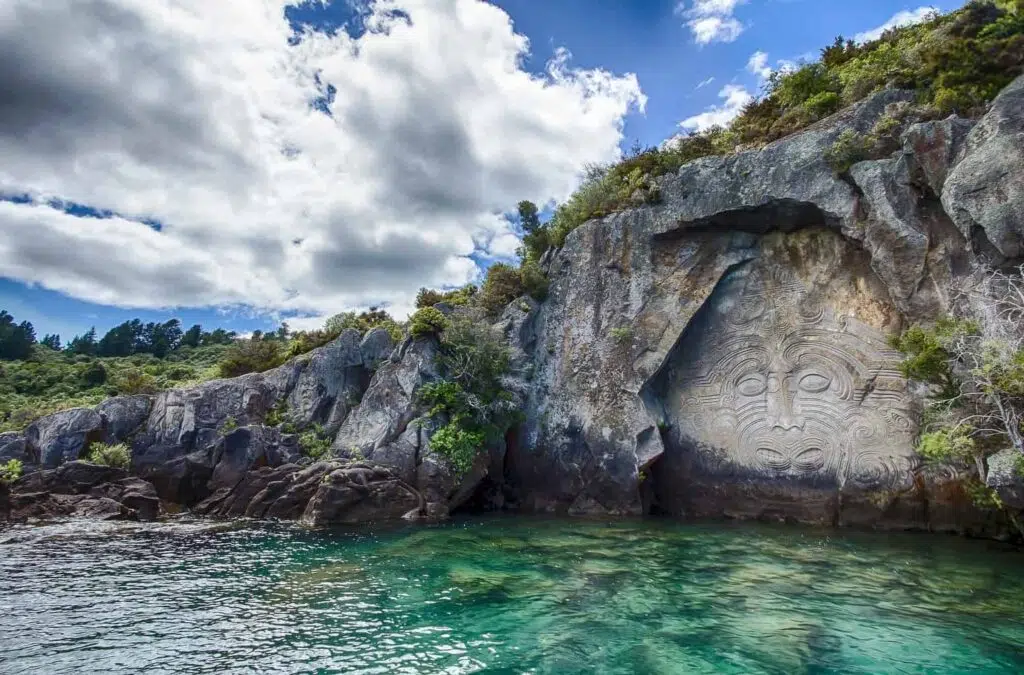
[{"x": 126, "y": 339}]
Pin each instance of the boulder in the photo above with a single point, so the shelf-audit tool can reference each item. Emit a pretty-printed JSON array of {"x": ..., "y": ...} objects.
[
  {"x": 63, "y": 436},
  {"x": 984, "y": 193},
  {"x": 1006, "y": 476},
  {"x": 359, "y": 493},
  {"x": 934, "y": 148},
  {"x": 123, "y": 416},
  {"x": 14, "y": 446},
  {"x": 248, "y": 448}
]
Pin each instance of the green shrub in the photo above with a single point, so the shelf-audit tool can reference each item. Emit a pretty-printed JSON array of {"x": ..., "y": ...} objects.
[
  {"x": 848, "y": 149},
  {"x": 315, "y": 443},
  {"x": 477, "y": 409},
  {"x": 534, "y": 281},
  {"x": 228, "y": 425},
  {"x": 502, "y": 285},
  {"x": 427, "y": 321},
  {"x": 252, "y": 356},
  {"x": 117, "y": 456},
  {"x": 10, "y": 471},
  {"x": 622, "y": 335},
  {"x": 134, "y": 381},
  {"x": 458, "y": 444}
]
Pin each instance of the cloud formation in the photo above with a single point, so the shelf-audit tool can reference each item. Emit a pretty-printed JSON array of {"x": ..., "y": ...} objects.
[
  {"x": 306, "y": 173},
  {"x": 735, "y": 98},
  {"x": 907, "y": 17},
  {"x": 712, "y": 20}
]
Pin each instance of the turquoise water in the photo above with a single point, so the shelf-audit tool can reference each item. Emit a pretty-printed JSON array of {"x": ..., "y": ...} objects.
[{"x": 505, "y": 596}]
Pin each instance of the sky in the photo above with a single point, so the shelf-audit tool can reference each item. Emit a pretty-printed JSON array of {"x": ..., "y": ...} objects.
[{"x": 243, "y": 162}]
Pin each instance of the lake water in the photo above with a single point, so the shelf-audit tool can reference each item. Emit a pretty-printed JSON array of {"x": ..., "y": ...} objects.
[{"x": 505, "y": 595}]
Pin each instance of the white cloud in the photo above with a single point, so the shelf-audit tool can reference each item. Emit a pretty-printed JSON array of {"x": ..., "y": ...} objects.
[
  {"x": 198, "y": 115},
  {"x": 735, "y": 97},
  {"x": 712, "y": 20},
  {"x": 758, "y": 65},
  {"x": 904, "y": 18},
  {"x": 704, "y": 83}
]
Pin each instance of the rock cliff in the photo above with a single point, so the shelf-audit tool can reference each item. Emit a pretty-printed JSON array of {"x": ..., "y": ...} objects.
[{"x": 721, "y": 353}]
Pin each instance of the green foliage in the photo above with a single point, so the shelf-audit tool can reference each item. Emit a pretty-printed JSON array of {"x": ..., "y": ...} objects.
[
  {"x": 534, "y": 281},
  {"x": 622, "y": 335},
  {"x": 10, "y": 471},
  {"x": 315, "y": 443},
  {"x": 471, "y": 398},
  {"x": 427, "y": 321},
  {"x": 458, "y": 444},
  {"x": 16, "y": 340},
  {"x": 278, "y": 415},
  {"x": 850, "y": 148},
  {"x": 50, "y": 381},
  {"x": 458, "y": 297},
  {"x": 927, "y": 357},
  {"x": 117, "y": 455},
  {"x": 956, "y": 63},
  {"x": 228, "y": 425},
  {"x": 948, "y": 444},
  {"x": 502, "y": 285},
  {"x": 252, "y": 356},
  {"x": 135, "y": 381}
]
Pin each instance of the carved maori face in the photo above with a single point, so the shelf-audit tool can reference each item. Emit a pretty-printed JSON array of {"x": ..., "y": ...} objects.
[{"x": 779, "y": 386}]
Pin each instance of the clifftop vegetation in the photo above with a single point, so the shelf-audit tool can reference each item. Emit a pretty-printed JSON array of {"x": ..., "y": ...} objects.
[{"x": 956, "y": 63}]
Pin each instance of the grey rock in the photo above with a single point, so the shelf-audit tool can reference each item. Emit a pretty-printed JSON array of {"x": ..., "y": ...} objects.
[
  {"x": 1005, "y": 476},
  {"x": 390, "y": 404},
  {"x": 14, "y": 446},
  {"x": 333, "y": 378},
  {"x": 984, "y": 193},
  {"x": 360, "y": 493},
  {"x": 248, "y": 448},
  {"x": 64, "y": 436},
  {"x": 893, "y": 232},
  {"x": 123, "y": 416},
  {"x": 376, "y": 347},
  {"x": 934, "y": 148}
]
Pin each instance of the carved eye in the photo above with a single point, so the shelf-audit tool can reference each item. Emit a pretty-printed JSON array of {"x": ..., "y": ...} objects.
[
  {"x": 772, "y": 459},
  {"x": 814, "y": 383},
  {"x": 751, "y": 385},
  {"x": 811, "y": 459}
]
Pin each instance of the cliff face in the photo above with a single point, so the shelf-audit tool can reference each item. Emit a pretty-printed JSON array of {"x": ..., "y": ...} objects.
[
  {"x": 722, "y": 353},
  {"x": 725, "y": 352}
]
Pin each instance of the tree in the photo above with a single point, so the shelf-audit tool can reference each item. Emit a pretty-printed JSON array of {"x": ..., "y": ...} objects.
[
  {"x": 122, "y": 340},
  {"x": 16, "y": 340},
  {"x": 51, "y": 342},
  {"x": 192, "y": 337},
  {"x": 528, "y": 218},
  {"x": 84, "y": 344},
  {"x": 976, "y": 365}
]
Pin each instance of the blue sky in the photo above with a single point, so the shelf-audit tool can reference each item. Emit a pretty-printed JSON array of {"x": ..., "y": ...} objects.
[{"x": 647, "y": 37}]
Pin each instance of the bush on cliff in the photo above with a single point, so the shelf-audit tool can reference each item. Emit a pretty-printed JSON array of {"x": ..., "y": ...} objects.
[
  {"x": 10, "y": 471},
  {"x": 975, "y": 365},
  {"x": 117, "y": 456},
  {"x": 470, "y": 398},
  {"x": 252, "y": 356}
]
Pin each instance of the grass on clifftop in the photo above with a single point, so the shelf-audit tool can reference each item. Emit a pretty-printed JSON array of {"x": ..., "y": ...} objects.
[{"x": 956, "y": 63}]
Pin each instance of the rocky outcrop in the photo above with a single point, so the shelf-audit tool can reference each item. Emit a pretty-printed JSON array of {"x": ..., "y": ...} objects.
[
  {"x": 724, "y": 353},
  {"x": 984, "y": 191},
  {"x": 79, "y": 489}
]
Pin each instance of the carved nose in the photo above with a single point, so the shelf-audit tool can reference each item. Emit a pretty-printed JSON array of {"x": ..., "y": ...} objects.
[{"x": 780, "y": 405}]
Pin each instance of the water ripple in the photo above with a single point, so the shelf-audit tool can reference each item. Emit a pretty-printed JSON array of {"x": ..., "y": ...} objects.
[{"x": 503, "y": 596}]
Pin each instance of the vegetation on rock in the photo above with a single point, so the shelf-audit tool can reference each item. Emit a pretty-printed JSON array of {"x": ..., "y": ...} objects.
[
  {"x": 117, "y": 455},
  {"x": 315, "y": 442},
  {"x": 955, "y": 63},
  {"x": 10, "y": 471},
  {"x": 975, "y": 364},
  {"x": 475, "y": 408}
]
